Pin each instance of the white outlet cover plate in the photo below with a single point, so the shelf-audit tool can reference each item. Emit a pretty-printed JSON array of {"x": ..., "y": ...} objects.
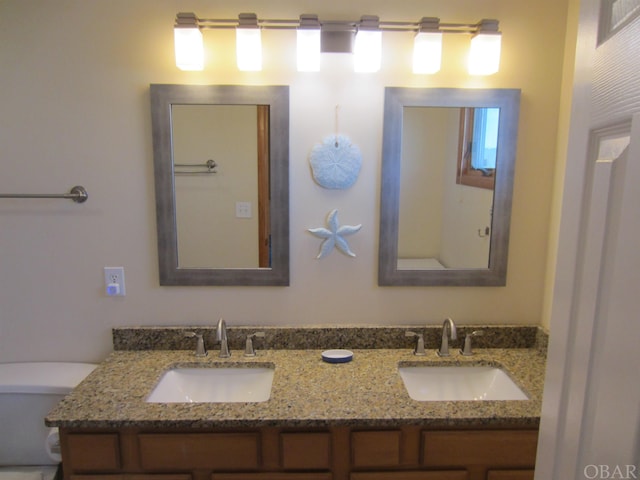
[{"x": 114, "y": 276}]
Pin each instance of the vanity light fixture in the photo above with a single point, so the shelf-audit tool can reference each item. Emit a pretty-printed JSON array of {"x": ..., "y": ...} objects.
[
  {"x": 248, "y": 43},
  {"x": 484, "y": 55},
  {"x": 427, "y": 47},
  {"x": 362, "y": 37},
  {"x": 188, "y": 42},
  {"x": 308, "y": 44},
  {"x": 367, "y": 51}
]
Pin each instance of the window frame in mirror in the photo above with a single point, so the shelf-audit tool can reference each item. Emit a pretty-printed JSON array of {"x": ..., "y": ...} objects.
[
  {"x": 162, "y": 97},
  {"x": 396, "y": 98}
]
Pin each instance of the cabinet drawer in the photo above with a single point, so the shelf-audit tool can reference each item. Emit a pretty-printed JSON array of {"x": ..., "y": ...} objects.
[
  {"x": 497, "y": 448},
  {"x": 189, "y": 451},
  {"x": 138, "y": 476},
  {"x": 92, "y": 452},
  {"x": 444, "y": 475},
  {"x": 271, "y": 476},
  {"x": 306, "y": 451},
  {"x": 376, "y": 449},
  {"x": 510, "y": 475}
]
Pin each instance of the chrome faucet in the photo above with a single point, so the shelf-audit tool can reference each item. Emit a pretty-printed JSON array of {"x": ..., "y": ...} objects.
[
  {"x": 221, "y": 336},
  {"x": 201, "y": 350},
  {"x": 448, "y": 328}
]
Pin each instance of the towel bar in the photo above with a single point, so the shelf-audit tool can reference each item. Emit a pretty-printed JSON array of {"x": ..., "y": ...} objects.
[{"x": 78, "y": 194}]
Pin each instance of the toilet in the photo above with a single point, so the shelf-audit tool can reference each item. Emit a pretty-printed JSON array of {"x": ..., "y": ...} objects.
[{"x": 28, "y": 391}]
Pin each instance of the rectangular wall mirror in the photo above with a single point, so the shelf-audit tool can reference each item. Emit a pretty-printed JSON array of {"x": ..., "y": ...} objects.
[
  {"x": 221, "y": 161},
  {"x": 447, "y": 183}
]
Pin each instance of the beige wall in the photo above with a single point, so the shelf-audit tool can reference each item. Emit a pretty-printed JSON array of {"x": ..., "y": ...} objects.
[
  {"x": 75, "y": 110},
  {"x": 562, "y": 144}
]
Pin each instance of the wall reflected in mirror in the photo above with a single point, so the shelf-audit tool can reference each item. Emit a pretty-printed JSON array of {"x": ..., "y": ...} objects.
[
  {"x": 220, "y": 214},
  {"x": 447, "y": 170}
]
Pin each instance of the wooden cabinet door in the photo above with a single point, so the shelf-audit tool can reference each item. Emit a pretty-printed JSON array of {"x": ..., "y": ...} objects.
[
  {"x": 376, "y": 448},
  {"x": 91, "y": 452},
  {"x": 305, "y": 451}
]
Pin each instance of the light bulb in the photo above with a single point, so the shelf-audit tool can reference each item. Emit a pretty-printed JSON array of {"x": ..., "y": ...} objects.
[
  {"x": 427, "y": 52},
  {"x": 308, "y": 50},
  {"x": 484, "y": 55},
  {"x": 367, "y": 51},
  {"x": 249, "y": 49},
  {"x": 189, "y": 48}
]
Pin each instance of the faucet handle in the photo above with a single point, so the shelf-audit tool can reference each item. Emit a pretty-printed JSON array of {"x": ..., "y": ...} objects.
[
  {"x": 201, "y": 350},
  {"x": 249, "y": 351},
  {"x": 467, "y": 351},
  {"x": 419, "y": 349}
]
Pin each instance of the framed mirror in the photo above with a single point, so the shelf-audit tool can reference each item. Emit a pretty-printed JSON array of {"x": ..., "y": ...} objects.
[
  {"x": 221, "y": 163},
  {"x": 448, "y": 162}
]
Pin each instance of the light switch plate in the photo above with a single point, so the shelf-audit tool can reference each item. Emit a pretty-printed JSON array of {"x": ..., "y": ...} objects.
[{"x": 243, "y": 210}]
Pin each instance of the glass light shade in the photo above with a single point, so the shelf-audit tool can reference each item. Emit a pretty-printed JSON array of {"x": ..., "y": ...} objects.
[
  {"x": 484, "y": 56},
  {"x": 308, "y": 50},
  {"x": 367, "y": 51},
  {"x": 249, "y": 49},
  {"x": 189, "y": 48},
  {"x": 427, "y": 52}
]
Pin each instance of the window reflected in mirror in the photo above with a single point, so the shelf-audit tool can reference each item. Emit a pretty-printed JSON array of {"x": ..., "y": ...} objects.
[{"x": 478, "y": 147}]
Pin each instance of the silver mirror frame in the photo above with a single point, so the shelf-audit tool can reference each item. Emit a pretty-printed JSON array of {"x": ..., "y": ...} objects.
[
  {"x": 396, "y": 98},
  {"x": 277, "y": 97}
]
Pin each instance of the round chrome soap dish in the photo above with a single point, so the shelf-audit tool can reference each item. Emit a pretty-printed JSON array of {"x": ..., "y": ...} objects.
[{"x": 337, "y": 356}]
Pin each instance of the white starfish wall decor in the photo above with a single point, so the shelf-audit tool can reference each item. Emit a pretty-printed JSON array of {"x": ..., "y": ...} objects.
[{"x": 334, "y": 235}]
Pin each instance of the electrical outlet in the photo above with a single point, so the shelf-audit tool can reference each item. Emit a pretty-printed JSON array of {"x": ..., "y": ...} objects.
[{"x": 114, "y": 281}]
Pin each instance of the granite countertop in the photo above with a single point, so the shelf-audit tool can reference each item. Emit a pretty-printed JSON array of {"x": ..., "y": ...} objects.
[{"x": 306, "y": 392}]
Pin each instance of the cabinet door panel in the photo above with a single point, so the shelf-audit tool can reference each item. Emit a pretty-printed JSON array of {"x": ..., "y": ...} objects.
[
  {"x": 228, "y": 451},
  {"x": 306, "y": 451},
  {"x": 442, "y": 475},
  {"x": 504, "y": 448},
  {"x": 376, "y": 449},
  {"x": 92, "y": 452}
]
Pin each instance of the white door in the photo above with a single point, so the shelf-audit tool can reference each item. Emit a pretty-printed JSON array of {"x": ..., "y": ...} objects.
[{"x": 590, "y": 426}]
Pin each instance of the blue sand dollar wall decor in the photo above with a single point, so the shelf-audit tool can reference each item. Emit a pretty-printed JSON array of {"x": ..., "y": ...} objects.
[{"x": 336, "y": 162}]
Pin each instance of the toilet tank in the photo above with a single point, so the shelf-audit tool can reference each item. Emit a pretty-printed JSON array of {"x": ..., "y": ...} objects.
[{"x": 28, "y": 391}]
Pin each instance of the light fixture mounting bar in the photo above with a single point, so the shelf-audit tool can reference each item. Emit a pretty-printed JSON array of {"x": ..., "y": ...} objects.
[{"x": 385, "y": 26}]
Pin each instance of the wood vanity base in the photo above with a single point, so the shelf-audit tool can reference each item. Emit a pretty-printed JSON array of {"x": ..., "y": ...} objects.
[{"x": 335, "y": 453}]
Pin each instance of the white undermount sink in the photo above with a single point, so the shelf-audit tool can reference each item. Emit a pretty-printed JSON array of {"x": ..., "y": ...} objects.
[
  {"x": 228, "y": 384},
  {"x": 450, "y": 383}
]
